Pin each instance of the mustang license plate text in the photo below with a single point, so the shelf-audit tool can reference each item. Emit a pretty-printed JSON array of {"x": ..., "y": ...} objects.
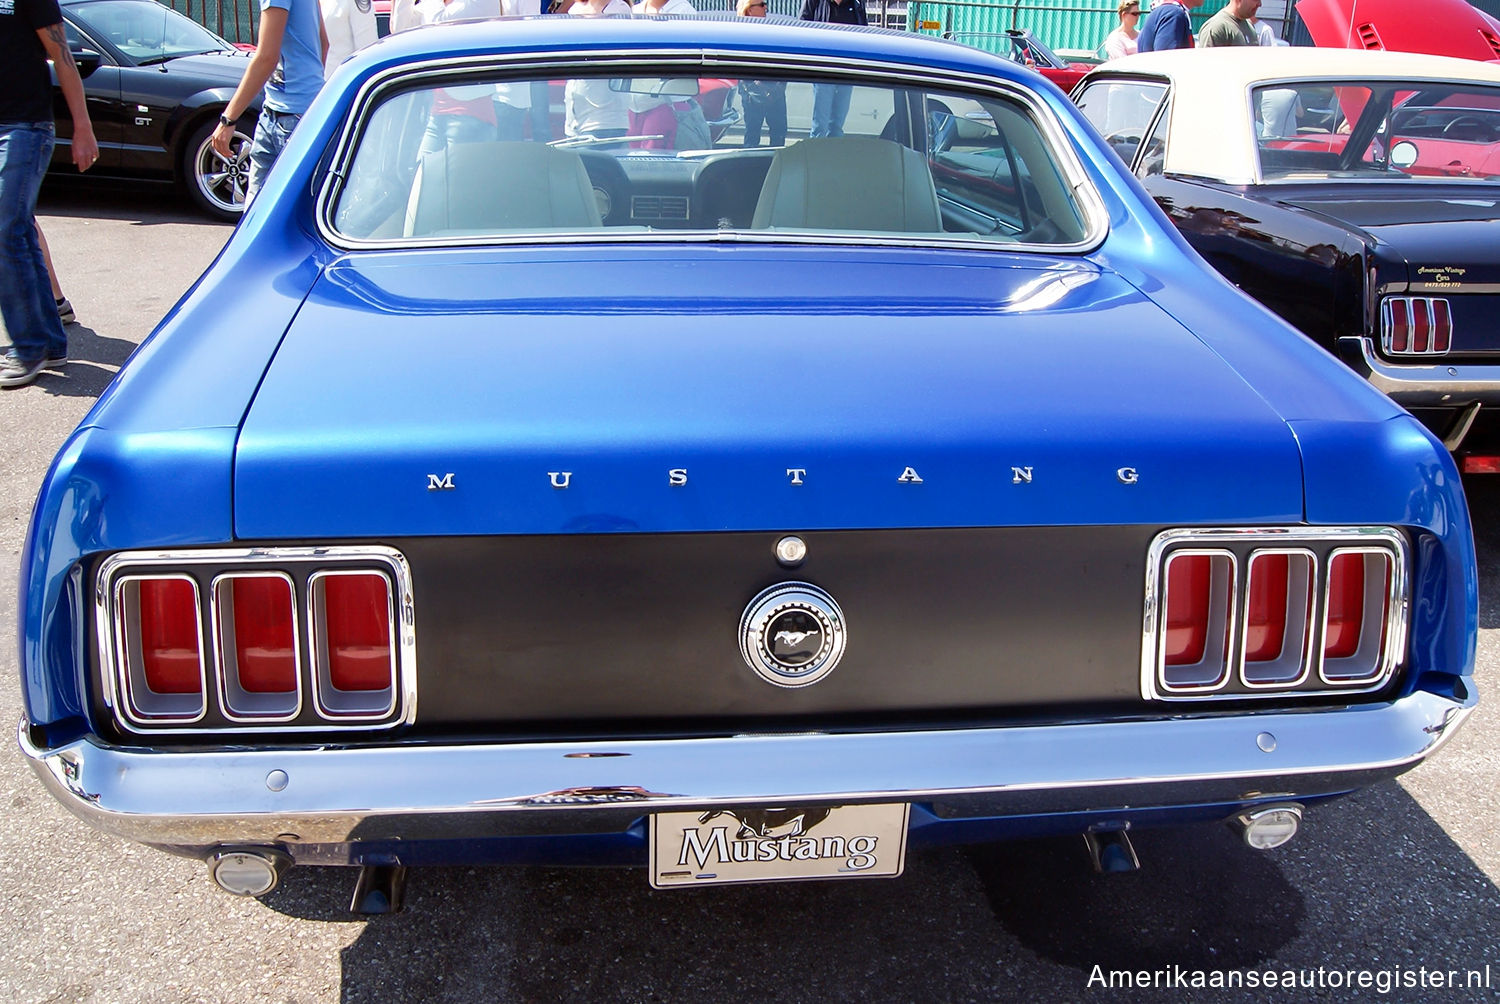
[{"x": 718, "y": 846}]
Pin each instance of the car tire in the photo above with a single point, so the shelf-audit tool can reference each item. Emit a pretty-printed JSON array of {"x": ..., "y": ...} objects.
[{"x": 216, "y": 187}]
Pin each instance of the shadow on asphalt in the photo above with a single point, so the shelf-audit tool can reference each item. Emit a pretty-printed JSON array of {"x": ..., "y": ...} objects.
[
  {"x": 93, "y": 360},
  {"x": 111, "y": 199},
  {"x": 1017, "y": 919}
]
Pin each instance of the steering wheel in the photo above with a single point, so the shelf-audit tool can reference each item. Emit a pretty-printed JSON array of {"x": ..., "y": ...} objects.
[{"x": 1470, "y": 121}]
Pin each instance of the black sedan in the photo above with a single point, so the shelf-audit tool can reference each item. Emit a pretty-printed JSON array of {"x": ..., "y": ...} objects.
[
  {"x": 156, "y": 83},
  {"x": 1355, "y": 193}
]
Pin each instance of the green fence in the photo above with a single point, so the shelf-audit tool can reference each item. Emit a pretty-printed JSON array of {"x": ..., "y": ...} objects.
[{"x": 1074, "y": 25}]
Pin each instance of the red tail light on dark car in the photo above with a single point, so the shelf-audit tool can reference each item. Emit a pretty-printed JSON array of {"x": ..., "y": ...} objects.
[
  {"x": 1243, "y": 613},
  {"x": 333, "y": 623},
  {"x": 1416, "y": 326}
]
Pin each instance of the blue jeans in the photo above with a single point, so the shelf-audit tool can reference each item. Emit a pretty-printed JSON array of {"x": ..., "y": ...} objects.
[
  {"x": 272, "y": 130},
  {"x": 25, "y": 291},
  {"x": 444, "y": 131},
  {"x": 830, "y": 108}
]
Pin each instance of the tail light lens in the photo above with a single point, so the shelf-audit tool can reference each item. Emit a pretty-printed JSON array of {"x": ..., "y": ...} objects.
[
  {"x": 354, "y": 648},
  {"x": 1278, "y": 618},
  {"x": 1356, "y": 610},
  {"x": 1197, "y": 612},
  {"x": 1416, "y": 326},
  {"x": 303, "y": 638},
  {"x": 256, "y": 620},
  {"x": 1239, "y": 613},
  {"x": 161, "y": 663}
]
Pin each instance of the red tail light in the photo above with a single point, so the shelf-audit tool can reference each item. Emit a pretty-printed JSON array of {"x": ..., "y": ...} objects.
[
  {"x": 1196, "y": 619},
  {"x": 1273, "y": 612},
  {"x": 265, "y": 643},
  {"x": 1278, "y": 618},
  {"x": 1188, "y": 581},
  {"x": 1416, "y": 325},
  {"x": 1346, "y": 606},
  {"x": 171, "y": 644},
  {"x": 1356, "y": 617},
  {"x": 1265, "y": 610},
  {"x": 357, "y": 619}
]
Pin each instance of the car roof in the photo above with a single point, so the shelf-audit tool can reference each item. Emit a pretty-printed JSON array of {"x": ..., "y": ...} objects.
[{"x": 1211, "y": 135}]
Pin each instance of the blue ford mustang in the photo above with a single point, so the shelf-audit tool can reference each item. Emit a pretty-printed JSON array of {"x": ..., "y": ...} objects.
[{"x": 548, "y": 470}]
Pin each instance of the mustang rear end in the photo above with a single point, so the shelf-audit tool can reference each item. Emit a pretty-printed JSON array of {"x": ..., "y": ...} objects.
[{"x": 740, "y": 513}]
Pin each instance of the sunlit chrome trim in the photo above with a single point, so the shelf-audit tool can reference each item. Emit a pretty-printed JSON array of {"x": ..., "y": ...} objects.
[
  {"x": 716, "y": 63},
  {"x": 111, "y": 621},
  {"x": 1438, "y": 384},
  {"x": 1394, "y": 641},
  {"x": 203, "y": 799},
  {"x": 1309, "y": 629},
  {"x": 1383, "y": 538},
  {"x": 388, "y": 558},
  {"x": 222, "y": 653}
]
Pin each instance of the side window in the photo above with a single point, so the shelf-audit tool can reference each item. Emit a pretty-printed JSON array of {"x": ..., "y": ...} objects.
[
  {"x": 1154, "y": 150},
  {"x": 1121, "y": 110}
]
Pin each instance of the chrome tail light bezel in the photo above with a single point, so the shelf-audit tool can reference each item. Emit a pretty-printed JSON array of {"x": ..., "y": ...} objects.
[
  {"x": 1317, "y": 546},
  {"x": 1410, "y": 305},
  {"x": 208, "y": 569}
]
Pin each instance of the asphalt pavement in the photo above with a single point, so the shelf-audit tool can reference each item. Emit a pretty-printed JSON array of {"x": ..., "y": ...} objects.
[{"x": 1398, "y": 877}]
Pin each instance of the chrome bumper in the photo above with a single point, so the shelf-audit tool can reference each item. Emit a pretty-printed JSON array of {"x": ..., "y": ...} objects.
[
  {"x": 1438, "y": 384},
  {"x": 337, "y": 796}
]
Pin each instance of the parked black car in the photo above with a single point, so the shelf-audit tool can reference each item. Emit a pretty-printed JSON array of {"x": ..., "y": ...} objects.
[
  {"x": 156, "y": 83},
  {"x": 1357, "y": 194}
]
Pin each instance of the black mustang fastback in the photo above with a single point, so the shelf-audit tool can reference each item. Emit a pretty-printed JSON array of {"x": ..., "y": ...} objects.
[{"x": 1355, "y": 193}]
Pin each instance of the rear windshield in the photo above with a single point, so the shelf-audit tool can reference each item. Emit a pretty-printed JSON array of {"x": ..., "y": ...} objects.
[
  {"x": 479, "y": 158},
  {"x": 1378, "y": 130}
]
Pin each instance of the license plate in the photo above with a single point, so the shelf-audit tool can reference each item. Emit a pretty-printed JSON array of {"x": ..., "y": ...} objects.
[{"x": 720, "y": 846}]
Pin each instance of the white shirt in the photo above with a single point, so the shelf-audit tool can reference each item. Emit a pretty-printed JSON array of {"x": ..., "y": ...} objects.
[
  {"x": 1119, "y": 44},
  {"x": 350, "y": 25},
  {"x": 1264, "y": 32},
  {"x": 670, "y": 7}
]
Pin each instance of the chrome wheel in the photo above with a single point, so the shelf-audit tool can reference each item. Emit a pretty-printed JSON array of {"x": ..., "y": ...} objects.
[{"x": 217, "y": 183}]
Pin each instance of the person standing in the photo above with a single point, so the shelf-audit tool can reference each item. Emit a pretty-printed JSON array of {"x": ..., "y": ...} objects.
[
  {"x": 31, "y": 32},
  {"x": 1121, "y": 41},
  {"x": 1231, "y": 26},
  {"x": 831, "y": 101},
  {"x": 1168, "y": 26},
  {"x": 664, "y": 7},
  {"x": 350, "y": 26},
  {"x": 591, "y": 107},
  {"x": 288, "y": 63},
  {"x": 764, "y": 100},
  {"x": 1264, "y": 32}
]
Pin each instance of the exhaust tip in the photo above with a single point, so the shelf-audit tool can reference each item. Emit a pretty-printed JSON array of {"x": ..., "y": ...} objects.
[
  {"x": 246, "y": 872},
  {"x": 1272, "y": 826}
]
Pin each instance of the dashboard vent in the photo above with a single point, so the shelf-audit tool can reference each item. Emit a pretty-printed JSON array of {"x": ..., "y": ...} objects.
[{"x": 659, "y": 207}]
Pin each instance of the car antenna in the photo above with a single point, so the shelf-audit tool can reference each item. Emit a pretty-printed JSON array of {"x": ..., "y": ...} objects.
[{"x": 162, "y": 40}]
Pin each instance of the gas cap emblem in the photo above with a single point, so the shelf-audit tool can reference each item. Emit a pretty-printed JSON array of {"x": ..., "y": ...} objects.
[{"x": 792, "y": 634}]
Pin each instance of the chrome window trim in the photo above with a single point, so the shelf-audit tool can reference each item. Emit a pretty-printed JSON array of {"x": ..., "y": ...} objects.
[
  {"x": 403, "y": 623},
  {"x": 717, "y": 63},
  {"x": 317, "y": 648},
  {"x": 119, "y": 659},
  {"x": 1231, "y": 650},
  {"x": 221, "y": 652},
  {"x": 1309, "y": 630},
  {"x": 1383, "y": 538},
  {"x": 1386, "y": 663}
]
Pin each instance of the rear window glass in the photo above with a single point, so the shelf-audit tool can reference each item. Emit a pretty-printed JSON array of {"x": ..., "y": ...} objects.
[
  {"x": 479, "y": 158},
  {"x": 1378, "y": 130}
]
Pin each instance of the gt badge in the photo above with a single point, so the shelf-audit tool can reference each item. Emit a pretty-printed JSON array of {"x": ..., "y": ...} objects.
[{"x": 792, "y": 634}]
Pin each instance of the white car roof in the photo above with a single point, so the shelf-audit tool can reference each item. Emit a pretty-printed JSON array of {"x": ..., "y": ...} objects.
[{"x": 1212, "y": 134}]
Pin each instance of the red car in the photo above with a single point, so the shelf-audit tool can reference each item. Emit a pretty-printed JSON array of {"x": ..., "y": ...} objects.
[
  {"x": 1023, "y": 47},
  {"x": 1443, "y": 27}
]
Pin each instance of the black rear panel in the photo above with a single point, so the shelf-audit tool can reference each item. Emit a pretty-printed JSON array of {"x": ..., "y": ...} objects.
[{"x": 567, "y": 633}]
